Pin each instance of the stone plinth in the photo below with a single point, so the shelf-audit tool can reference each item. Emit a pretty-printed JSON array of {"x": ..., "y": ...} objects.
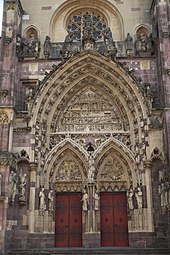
[{"x": 91, "y": 239}]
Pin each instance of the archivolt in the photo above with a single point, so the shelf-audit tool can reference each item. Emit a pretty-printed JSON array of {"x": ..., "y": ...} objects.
[
  {"x": 62, "y": 82},
  {"x": 65, "y": 81}
]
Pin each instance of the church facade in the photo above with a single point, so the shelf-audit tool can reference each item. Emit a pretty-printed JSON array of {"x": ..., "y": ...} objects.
[{"x": 85, "y": 124}]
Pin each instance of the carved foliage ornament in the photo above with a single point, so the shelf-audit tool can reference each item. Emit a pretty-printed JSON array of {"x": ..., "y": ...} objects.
[{"x": 3, "y": 117}]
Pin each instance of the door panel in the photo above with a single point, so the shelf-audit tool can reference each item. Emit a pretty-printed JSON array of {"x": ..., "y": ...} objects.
[
  {"x": 107, "y": 220},
  {"x": 75, "y": 231},
  {"x": 68, "y": 220},
  {"x": 62, "y": 220},
  {"x": 114, "y": 231},
  {"x": 120, "y": 219}
]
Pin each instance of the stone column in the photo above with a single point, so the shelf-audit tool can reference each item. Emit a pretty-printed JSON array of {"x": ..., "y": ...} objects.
[
  {"x": 92, "y": 237},
  {"x": 90, "y": 207},
  {"x": 148, "y": 183},
  {"x": 31, "y": 223},
  {"x": 11, "y": 132},
  {"x": 5, "y": 162}
]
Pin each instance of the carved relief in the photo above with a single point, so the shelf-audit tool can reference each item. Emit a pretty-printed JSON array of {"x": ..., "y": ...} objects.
[
  {"x": 90, "y": 106},
  {"x": 3, "y": 117},
  {"x": 112, "y": 170},
  {"x": 68, "y": 171},
  {"x": 90, "y": 112}
]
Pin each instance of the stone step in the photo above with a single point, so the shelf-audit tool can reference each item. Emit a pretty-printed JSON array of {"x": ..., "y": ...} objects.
[{"x": 91, "y": 251}]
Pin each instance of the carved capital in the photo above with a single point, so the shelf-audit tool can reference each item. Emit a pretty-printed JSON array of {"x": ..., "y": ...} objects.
[
  {"x": 3, "y": 117},
  {"x": 33, "y": 166},
  {"x": 148, "y": 164},
  {"x": 6, "y": 158},
  {"x": 10, "y": 5}
]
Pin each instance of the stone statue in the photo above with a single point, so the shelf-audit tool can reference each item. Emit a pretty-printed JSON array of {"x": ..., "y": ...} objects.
[
  {"x": 22, "y": 185},
  {"x": 67, "y": 46},
  {"x": 129, "y": 44},
  {"x": 150, "y": 45},
  {"x": 109, "y": 42},
  {"x": 142, "y": 43},
  {"x": 139, "y": 197},
  {"x": 30, "y": 47},
  {"x": 85, "y": 201},
  {"x": 47, "y": 47},
  {"x": 130, "y": 197},
  {"x": 51, "y": 200},
  {"x": 12, "y": 186},
  {"x": 91, "y": 170},
  {"x": 42, "y": 200},
  {"x": 163, "y": 192},
  {"x": 96, "y": 201}
]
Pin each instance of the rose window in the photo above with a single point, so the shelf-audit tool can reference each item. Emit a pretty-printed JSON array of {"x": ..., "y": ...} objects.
[{"x": 76, "y": 22}]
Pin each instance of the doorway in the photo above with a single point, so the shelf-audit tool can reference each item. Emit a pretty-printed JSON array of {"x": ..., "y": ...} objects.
[
  {"x": 68, "y": 228},
  {"x": 113, "y": 218}
]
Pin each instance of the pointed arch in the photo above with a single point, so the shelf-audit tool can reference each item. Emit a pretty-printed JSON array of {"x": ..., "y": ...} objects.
[
  {"x": 116, "y": 166},
  {"x": 62, "y": 12},
  {"x": 126, "y": 155},
  {"x": 60, "y": 153},
  {"x": 115, "y": 84}
]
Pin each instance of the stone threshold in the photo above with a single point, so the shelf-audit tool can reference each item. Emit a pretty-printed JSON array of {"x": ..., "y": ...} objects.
[{"x": 90, "y": 251}]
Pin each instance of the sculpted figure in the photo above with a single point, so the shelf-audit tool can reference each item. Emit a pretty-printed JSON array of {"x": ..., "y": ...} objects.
[
  {"x": 108, "y": 38},
  {"x": 109, "y": 43},
  {"x": 47, "y": 47},
  {"x": 130, "y": 196},
  {"x": 67, "y": 44},
  {"x": 22, "y": 184},
  {"x": 91, "y": 170},
  {"x": 12, "y": 186},
  {"x": 163, "y": 192},
  {"x": 85, "y": 201},
  {"x": 139, "y": 198},
  {"x": 51, "y": 200},
  {"x": 42, "y": 200},
  {"x": 129, "y": 42},
  {"x": 30, "y": 47},
  {"x": 96, "y": 201}
]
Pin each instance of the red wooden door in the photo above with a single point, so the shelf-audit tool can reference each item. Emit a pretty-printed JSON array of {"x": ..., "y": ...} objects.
[
  {"x": 113, "y": 214},
  {"x": 68, "y": 220}
]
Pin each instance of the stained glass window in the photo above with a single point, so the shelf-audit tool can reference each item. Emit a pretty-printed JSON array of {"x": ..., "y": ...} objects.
[{"x": 75, "y": 23}]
